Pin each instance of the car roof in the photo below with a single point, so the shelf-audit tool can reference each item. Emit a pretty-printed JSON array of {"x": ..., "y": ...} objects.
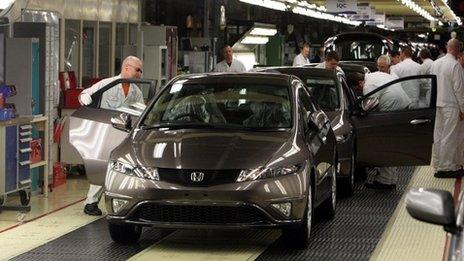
[
  {"x": 228, "y": 78},
  {"x": 298, "y": 70},
  {"x": 356, "y": 35}
]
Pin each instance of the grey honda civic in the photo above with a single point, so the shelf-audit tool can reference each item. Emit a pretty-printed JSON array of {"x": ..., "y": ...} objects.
[{"x": 246, "y": 150}]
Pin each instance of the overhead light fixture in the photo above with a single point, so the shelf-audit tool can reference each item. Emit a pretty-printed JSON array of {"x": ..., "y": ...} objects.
[
  {"x": 413, "y": 6},
  {"x": 458, "y": 19},
  {"x": 6, "y": 3},
  {"x": 302, "y": 8},
  {"x": 272, "y": 4},
  {"x": 325, "y": 16},
  {"x": 263, "y": 31},
  {"x": 255, "y": 40}
]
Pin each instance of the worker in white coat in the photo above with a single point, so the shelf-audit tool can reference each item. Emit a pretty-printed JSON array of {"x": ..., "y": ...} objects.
[
  {"x": 331, "y": 62},
  {"x": 229, "y": 64},
  {"x": 392, "y": 98},
  {"x": 425, "y": 86},
  {"x": 303, "y": 57},
  {"x": 408, "y": 67},
  {"x": 118, "y": 96},
  {"x": 448, "y": 137}
]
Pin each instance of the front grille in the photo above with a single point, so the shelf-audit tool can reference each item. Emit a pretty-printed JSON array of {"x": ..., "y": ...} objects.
[
  {"x": 199, "y": 214},
  {"x": 210, "y": 177}
]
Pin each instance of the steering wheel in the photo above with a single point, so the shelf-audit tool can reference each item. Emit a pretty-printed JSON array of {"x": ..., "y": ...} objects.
[{"x": 191, "y": 115}]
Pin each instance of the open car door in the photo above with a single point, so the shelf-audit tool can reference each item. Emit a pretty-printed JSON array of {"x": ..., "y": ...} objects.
[
  {"x": 90, "y": 129},
  {"x": 396, "y": 136}
]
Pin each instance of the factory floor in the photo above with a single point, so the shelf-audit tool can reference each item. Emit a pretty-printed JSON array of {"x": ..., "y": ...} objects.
[{"x": 370, "y": 225}]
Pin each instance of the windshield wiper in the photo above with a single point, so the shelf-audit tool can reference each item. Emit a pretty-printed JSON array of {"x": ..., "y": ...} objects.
[
  {"x": 194, "y": 125},
  {"x": 172, "y": 126}
]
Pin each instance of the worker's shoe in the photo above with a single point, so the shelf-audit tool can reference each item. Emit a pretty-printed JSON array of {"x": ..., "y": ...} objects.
[
  {"x": 92, "y": 209},
  {"x": 379, "y": 185},
  {"x": 451, "y": 174}
]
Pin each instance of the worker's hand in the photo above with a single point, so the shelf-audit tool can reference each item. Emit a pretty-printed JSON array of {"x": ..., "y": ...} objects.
[
  {"x": 461, "y": 115},
  {"x": 85, "y": 99}
]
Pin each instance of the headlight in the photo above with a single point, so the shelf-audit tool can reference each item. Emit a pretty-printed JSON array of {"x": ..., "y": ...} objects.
[
  {"x": 141, "y": 172},
  {"x": 264, "y": 173}
]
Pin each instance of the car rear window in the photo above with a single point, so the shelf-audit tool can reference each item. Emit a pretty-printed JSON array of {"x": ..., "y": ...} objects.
[{"x": 325, "y": 92}]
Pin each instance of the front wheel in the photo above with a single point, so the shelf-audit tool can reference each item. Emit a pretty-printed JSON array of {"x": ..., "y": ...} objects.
[
  {"x": 300, "y": 236},
  {"x": 125, "y": 234}
]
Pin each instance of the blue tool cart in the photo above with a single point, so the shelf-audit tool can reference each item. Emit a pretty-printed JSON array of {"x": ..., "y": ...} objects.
[{"x": 15, "y": 164}]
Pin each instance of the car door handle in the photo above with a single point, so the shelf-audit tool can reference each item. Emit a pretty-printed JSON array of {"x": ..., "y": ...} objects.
[{"x": 420, "y": 121}]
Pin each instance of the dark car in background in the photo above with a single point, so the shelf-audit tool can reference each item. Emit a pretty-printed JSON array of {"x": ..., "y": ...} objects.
[
  {"x": 365, "y": 135},
  {"x": 359, "y": 47},
  {"x": 248, "y": 150},
  {"x": 332, "y": 95}
]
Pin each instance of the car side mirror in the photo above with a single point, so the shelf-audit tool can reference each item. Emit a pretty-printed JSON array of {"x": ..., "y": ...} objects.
[
  {"x": 432, "y": 206},
  {"x": 122, "y": 122},
  {"x": 369, "y": 104}
]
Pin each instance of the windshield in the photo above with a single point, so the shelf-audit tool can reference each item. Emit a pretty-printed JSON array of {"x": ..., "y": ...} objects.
[
  {"x": 325, "y": 92},
  {"x": 240, "y": 106},
  {"x": 366, "y": 50}
]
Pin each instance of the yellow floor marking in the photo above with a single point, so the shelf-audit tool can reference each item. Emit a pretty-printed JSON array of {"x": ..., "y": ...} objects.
[
  {"x": 72, "y": 191},
  {"x": 38, "y": 232},
  {"x": 408, "y": 239},
  {"x": 202, "y": 245}
]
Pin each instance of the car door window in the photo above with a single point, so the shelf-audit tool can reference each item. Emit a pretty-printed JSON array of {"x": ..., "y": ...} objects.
[
  {"x": 325, "y": 92},
  {"x": 409, "y": 93},
  {"x": 125, "y": 96}
]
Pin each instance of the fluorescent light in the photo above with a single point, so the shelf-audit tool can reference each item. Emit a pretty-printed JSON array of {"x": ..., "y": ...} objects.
[
  {"x": 5, "y": 3},
  {"x": 458, "y": 19},
  {"x": 413, "y": 6},
  {"x": 263, "y": 31},
  {"x": 302, "y": 8},
  {"x": 255, "y": 40},
  {"x": 276, "y": 5},
  {"x": 325, "y": 16}
]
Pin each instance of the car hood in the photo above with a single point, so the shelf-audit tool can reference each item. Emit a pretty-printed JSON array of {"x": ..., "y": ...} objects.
[{"x": 199, "y": 149}]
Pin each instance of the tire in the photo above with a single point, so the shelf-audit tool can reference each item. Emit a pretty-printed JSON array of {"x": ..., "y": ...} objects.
[
  {"x": 346, "y": 184},
  {"x": 25, "y": 197},
  {"x": 299, "y": 237},
  {"x": 328, "y": 207},
  {"x": 125, "y": 234}
]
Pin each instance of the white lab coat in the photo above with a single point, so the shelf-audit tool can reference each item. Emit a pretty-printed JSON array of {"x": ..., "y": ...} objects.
[
  {"x": 425, "y": 86},
  {"x": 111, "y": 99},
  {"x": 408, "y": 67},
  {"x": 448, "y": 135},
  {"x": 425, "y": 66},
  {"x": 300, "y": 60},
  {"x": 322, "y": 65},
  {"x": 392, "y": 98},
  {"x": 374, "y": 80},
  {"x": 235, "y": 66}
]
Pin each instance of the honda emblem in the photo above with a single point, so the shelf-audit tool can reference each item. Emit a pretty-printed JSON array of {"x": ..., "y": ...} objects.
[{"x": 197, "y": 176}]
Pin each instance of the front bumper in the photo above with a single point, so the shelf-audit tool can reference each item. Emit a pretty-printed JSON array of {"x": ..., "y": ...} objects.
[{"x": 234, "y": 205}]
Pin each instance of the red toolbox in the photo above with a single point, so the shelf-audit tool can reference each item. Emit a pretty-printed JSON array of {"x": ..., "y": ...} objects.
[
  {"x": 59, "y": 174},
  {"x": 36, "y": 150},
  {"x": 70, "y": 98}
]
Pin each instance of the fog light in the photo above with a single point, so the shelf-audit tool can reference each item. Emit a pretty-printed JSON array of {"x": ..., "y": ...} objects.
[
  {"x": 118, "y": 204},
  {"x": 284, "y": 208}
]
